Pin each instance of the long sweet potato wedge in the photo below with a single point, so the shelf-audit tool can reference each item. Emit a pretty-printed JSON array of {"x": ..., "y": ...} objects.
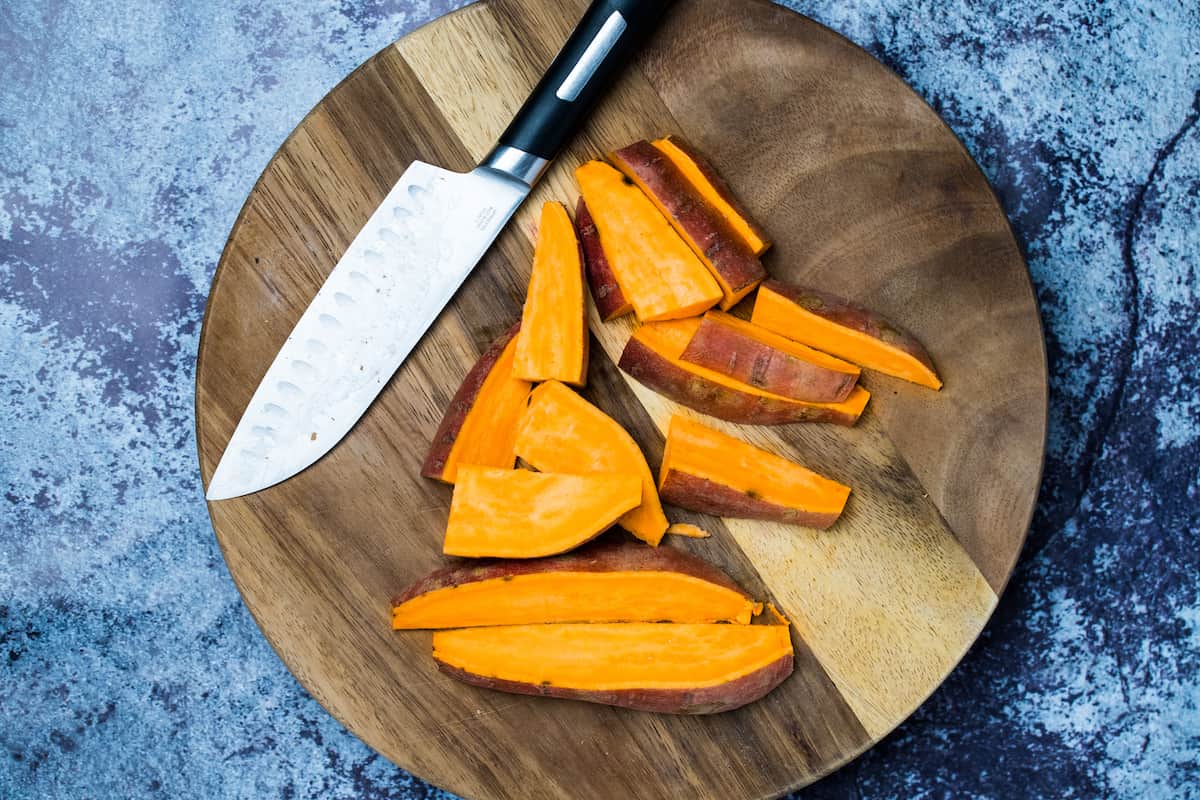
[
  {"x": 553, "y": 341},
  {"x": 508, "y": 513},
  {"x": 709, "y": 471},
  {"x": 623, "y": 582},
  {"x": 606, "y": 292},
  {"x": 658, "y": 273},
  {"x": 562, "y": 432},
  {"x": 709, "y": 234},
  {"x": 844, "y": 329},
  {"x": 668, "y": 668},
  {"x": 713, "y": 188},
  {"x": 773, "y": 363},
  {"x": 480, "y": 424},
  {"x": 653, "y": 357}
]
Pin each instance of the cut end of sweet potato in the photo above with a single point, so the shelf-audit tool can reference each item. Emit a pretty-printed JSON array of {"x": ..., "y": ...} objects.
[
  {"x": 701, "y": 174},
  {"x": 658, "y": 273},
  {"x": 709, "y": 471},
  {"x": 710, "y": 235},
  {"x": 688, "y": 530},
  {"x": 606, "y": 292},
  {"x": 844, "y": 329},
  {"x": 667, "y": 668},
  {"x": 607, "y": 583},
  {"x": 480, "y": 424},
  {"x": 522, "y": 514},
  {"x": 553, "y": 341},
  {"x": 562, "y": 432},
  {"x": 756, "y": 356},
  {"x": 653, "y": 356}
]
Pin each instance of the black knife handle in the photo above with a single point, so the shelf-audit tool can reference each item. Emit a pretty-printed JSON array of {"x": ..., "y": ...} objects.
[{"x": 603, "y": 42}]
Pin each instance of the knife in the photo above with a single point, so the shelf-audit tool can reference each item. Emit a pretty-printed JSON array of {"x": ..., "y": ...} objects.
[{"x": 409, "y": 259}]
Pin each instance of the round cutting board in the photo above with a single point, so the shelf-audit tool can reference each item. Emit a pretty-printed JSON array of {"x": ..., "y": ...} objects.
[{"x": 865, "y": 192}]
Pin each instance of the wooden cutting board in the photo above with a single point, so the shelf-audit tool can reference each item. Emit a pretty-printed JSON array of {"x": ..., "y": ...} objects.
[{"x": 865, "y": 192}]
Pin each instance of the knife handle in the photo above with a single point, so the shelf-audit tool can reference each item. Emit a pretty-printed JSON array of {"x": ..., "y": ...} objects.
[{"x": 602, "y": 43}]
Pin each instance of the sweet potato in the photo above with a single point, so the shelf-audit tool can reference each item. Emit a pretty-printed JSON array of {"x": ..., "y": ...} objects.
[
  {"x": 702, "y": 226},
  {"x": 773, "y": 363},
  {"x": 657, "y": 272},
  {"x": 623, "y": 582},
  {"x": 652, "y": 356},
  {"x": 713, "y": 188},
  {"x": 553, "y": 341},
  {"x": 521, "y": 514},
  {"x": 687, "y": 530},
  {"x": 668, "y": 668},
  {"x": 714, "y": 473},
  {"x": 480, "y": 424},
  {"x": 562, "y": 432},
  {"x": 845, "y": 329},
  {"x": 606, "y": 293}
]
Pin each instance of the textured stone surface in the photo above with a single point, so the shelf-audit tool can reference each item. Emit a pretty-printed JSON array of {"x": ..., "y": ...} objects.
[{"x": 130, "y": 134}]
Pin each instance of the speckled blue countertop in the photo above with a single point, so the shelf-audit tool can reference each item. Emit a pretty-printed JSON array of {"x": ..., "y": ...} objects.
[{"x": 131, "y": 132}]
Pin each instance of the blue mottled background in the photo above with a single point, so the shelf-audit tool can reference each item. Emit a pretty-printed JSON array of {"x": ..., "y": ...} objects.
[{"x": 130, "y": 133}]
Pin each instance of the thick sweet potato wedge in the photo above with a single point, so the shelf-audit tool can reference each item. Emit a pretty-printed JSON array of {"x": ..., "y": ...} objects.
[
  {"x": 552, "y": 344},
  {"x": 562, "y": 432},
  {"x": 623, "y": 582},
  {"x": 712, "y": 187},
  {"x": 606, "y": 293},
  {"x": 714, "y": 473},
  {"x": 653, "y": 353},
  {"x": 702, "y": 226},
  {"x": 480, "y": 425},
  {"x": 657, "y": 272},
  {"x": 845, "y": 329},
  {"x": 773, "y": 363},
  {"x": 507, "y": 513},
  {"x": 673, "y": 669}
]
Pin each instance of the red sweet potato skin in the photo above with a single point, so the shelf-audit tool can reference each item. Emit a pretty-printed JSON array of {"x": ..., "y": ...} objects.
[
  {"x": 850, "y": 315},
  {"x": 706, "y": 700},
  {"x": 606, "y": 293},
  {"x": 730, "y": 352},
  {"x": 709, "y": 497},
  {"x": 460, "y": 405},
  {"x": 722, "y": 402}
]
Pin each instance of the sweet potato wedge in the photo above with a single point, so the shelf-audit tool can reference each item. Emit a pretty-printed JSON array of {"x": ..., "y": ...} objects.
[
  {"x": 709, "y": 234},
  {"x": 773, "y": 363},
  {"x": 714, "y": 473},
  {"x": 844, "y": 329},
  {"x": 668, "y": 668},
  {"x": 562, "y": 432},
  {"x": 480, "y": 424},
  {"x": 657, "y": 272},
  {"x": 712, "y": 187},
  {"x": 552, "y": 344},
  {"x": 509, "y": 513},
  {"x": 623, "y": 582},
  {"x": 652, "y": 356},
  {"x": 606, "y": 293}
]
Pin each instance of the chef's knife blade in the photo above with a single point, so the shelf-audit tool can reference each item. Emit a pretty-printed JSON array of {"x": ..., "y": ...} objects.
[{"x": 408, "y": 260}]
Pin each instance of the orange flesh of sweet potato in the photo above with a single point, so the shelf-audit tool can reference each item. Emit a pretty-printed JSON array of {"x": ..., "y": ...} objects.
[
  {"x": 709, "y": 471},
  {"x": 652, "y": 356},
  {"x": 754, "y": 355},
  {"x": 677, "y": 669},
  {"x": 609, "y": 583},
  {"x": 713, "y": 188},
  {"x": 562, "y": 432},
  {"x": 847, "y": 330},
  {"x": 606, "y": 293},
  {"x": 709, "y": 234},
  {"x": 521, "y": 514},
  {"x": 688, "y": 530},
  {"x": 658, "y": 273},
  {"x": 480, "y": 424},
  {"x": 553, "y": 341}
]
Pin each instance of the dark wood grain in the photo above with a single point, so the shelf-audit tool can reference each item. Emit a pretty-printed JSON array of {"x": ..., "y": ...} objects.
[{"x": 864, "y": 191}]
